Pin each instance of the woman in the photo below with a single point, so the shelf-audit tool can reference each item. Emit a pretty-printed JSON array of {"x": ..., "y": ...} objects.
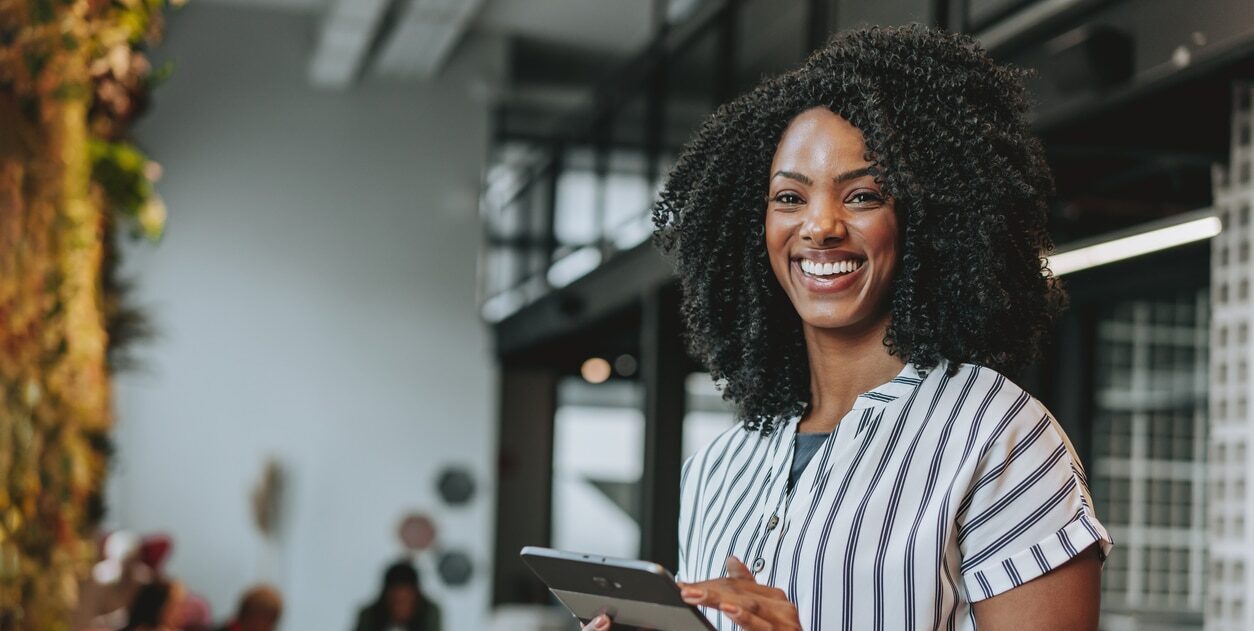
[
  {"x": 401, "y": 605},
  {"x": 859, "y": 243}
]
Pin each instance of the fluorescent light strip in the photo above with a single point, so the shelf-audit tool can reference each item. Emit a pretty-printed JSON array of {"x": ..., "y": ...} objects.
[
  {"x": 573, "y": 266},
  {"x": 503, "y": 305},
  {"x": 1134, "y": 245}
]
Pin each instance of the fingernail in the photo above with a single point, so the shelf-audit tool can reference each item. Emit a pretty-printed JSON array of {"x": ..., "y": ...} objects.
[
  {"x": 692, "y": 595},
  {"x": 601, "y": 622},
  {"x": 730, "y": 609}
]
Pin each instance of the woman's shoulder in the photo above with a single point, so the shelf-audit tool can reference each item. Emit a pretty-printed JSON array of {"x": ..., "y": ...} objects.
[
  {"x": 988, "y": 393},
  {"x": 997, "y": 403},
  {"x": 997, "y": 387}
]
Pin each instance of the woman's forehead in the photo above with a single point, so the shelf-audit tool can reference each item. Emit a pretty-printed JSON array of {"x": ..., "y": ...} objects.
[{"x": 820, "y": 140}]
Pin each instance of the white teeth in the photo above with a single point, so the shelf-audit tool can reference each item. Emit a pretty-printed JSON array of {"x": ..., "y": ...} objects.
[{"x": 827, "y": 269}]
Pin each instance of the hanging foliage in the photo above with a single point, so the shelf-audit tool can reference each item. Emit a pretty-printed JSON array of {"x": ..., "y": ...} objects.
[{"x": 73, "y": 77}]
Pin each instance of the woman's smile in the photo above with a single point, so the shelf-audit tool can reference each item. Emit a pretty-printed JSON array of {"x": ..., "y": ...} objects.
[{"x": 830, "y": 276}]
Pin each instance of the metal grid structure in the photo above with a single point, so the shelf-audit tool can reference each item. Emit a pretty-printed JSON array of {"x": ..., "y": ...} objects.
[
  {"x": 1229, "y": 588},
  {"x": 1149, "y": 450}
]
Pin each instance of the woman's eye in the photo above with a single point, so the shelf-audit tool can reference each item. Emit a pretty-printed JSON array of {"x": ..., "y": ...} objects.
[
  {"x": 865, "y": 198},
  {"x": 787, "y": 199}
]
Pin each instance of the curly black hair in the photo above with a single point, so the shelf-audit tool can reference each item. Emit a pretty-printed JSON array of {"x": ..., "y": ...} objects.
[{"x": 947, "y": 134}]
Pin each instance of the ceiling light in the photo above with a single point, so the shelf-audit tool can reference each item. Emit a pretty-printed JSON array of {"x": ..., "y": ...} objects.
[
  {"x": 573, "y": 266},
  {"x": 1146, "y": 240},
  {"x": 595, "y": 370}
]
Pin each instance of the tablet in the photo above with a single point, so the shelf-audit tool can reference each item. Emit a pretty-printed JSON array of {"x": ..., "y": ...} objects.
[{"x": 636, "y": 595}]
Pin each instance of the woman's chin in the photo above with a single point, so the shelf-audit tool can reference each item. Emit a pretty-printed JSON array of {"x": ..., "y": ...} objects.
[
  {"x": 829, "y": 321},
  {"x": 841, "y": 321}
]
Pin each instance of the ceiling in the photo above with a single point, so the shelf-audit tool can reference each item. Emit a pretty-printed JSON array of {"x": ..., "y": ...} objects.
[
  {"x": 619, "y": 26},
  {"x": 415, "y": 38}
]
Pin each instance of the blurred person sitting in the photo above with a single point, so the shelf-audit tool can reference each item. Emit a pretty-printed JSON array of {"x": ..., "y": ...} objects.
[
  {"x": 259, "y": 610},
  {"x": 110, "y": 588},
  {"x": 401, "y": 606},
  {"x": 158, "y": 606},
  {"x": 130, "y": 562}
]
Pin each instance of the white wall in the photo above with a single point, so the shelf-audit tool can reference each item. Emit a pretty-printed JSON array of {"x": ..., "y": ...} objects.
[{"x": 315, "y": 299}]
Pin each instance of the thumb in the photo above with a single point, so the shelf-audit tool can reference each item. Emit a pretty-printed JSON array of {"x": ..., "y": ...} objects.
[{"x": 736, "y": 569}]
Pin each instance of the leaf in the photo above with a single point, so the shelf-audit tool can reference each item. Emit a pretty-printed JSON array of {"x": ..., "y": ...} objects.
[
  {"x": 160, "y": 75},
  {"x": 41, "y": 11},
  {"x": 71, "y": 92}
]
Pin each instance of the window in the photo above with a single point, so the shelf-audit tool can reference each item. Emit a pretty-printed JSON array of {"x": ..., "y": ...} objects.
[
  {"x": 598, "y": 452},
  {"x": 1148, "y": 469}
]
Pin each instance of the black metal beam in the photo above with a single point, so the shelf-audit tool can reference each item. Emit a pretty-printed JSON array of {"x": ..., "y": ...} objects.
[
  {"x": 524, "y": 479},
  {"x": 660, "y": 14},
  {"x": 552, "y": 175},
  {"x": 819, "y": 25},
  {"x": 941, "y": 14},
  {"x": 612, "y": 287},
  {"x": 655, "y": 120},
  {"x": 728, "y": 47},
  {"x": 662, "y": 361},
  {"x": 1067, "y": 377},
  {"x": 955, "y": 14}
]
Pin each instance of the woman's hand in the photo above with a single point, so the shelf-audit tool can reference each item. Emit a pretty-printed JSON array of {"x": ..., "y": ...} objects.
[
  {"x": 599, "y": 623},
  {"x": 739, "y": 596}
]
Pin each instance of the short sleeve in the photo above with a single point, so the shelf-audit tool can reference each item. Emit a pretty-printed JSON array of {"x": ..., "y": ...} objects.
[{"x": 1028, "y": 508}]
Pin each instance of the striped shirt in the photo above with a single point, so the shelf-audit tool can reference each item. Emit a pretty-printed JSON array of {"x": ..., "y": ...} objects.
[{"x": 935, "y": 491}]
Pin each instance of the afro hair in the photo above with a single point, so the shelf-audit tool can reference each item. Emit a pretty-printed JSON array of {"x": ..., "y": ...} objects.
[{"x": 947, "y": 134}]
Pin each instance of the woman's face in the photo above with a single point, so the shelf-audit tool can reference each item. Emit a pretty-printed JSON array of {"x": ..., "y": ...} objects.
[
  {"x": 831, "y": 231},
  {"x": 401, "y": 600}
]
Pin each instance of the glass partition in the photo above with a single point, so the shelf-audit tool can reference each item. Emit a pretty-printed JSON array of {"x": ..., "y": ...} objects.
[{"x": 598, "y": 451}]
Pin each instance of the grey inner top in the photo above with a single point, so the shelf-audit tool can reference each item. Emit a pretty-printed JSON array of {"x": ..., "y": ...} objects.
[{"x": 804, "y": 448}]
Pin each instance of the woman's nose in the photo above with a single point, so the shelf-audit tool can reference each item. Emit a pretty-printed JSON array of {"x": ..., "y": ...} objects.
[{"x": 824, "y": 222}]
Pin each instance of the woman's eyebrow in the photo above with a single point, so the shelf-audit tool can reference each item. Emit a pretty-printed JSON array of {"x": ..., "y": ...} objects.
[
  {"x": 854, "y": 174},
  {"x": 792, "y": 175},
  {"x": 839, "y": 179}
]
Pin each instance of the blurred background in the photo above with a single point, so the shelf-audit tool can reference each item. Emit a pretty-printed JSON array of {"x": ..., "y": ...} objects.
[{"x": 405, "y": 306}]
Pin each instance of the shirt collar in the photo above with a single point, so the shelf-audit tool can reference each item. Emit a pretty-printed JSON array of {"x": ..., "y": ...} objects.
[{"x": 903, "y": 384}]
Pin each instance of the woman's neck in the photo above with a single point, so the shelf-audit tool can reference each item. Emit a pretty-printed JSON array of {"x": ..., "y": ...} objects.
[{"x": 844, "y": 364}]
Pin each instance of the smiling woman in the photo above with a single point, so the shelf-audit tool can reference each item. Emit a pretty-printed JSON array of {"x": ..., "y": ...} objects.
[{"x": 860, "y": 246}]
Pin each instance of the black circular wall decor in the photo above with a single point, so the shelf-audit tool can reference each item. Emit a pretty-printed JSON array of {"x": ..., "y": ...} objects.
[
  {"x": 455, "y": 568},
  {"x": 456, "y": 486}
]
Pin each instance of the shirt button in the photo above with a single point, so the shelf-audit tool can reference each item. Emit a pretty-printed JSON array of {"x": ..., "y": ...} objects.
[
  {"x": 758, "y": 565},
  {"x": 772, "y": 523}
]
